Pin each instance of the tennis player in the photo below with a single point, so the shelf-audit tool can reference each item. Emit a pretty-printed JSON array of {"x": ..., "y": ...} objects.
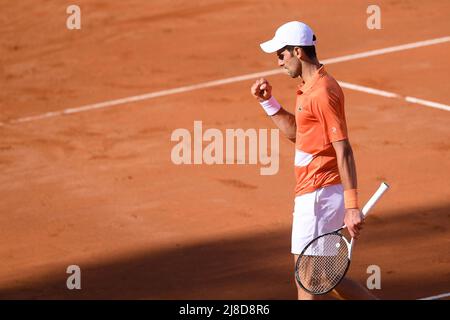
[{"x": 326, "y": 188}]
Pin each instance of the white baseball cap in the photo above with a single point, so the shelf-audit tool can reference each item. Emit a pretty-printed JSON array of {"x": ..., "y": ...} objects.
[{"x": 294, "y": 33}]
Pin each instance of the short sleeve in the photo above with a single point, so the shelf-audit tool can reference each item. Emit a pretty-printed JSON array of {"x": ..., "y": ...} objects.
[{"x": 328, "y": 108}]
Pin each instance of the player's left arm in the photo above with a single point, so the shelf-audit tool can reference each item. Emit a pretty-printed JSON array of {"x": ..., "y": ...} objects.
[{"x": 347, "y": 171}]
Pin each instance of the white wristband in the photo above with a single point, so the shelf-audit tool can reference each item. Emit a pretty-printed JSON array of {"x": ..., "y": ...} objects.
[{"x": 271, "y": 106}]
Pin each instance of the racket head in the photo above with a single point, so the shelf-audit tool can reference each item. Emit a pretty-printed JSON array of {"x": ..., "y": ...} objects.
[{"x": 323, "y": 263}]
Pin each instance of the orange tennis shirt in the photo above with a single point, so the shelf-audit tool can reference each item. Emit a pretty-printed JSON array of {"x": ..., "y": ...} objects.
[{"x": 320, "y": 119}]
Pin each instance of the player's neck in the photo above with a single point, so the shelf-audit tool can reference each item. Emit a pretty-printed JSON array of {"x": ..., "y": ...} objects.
[{"x": 309, "y": 70}]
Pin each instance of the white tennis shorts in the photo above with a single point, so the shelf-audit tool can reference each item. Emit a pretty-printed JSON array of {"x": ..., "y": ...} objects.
[{"x": 316, "y": 213}]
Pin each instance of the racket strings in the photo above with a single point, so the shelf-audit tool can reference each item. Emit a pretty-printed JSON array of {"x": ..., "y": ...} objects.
[{"x": 323, "y": 263}]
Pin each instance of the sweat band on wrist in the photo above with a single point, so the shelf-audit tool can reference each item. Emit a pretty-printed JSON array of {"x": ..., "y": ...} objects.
[
  {"x": 271, "y": 106},
  {"x": 351, "y": 198}
]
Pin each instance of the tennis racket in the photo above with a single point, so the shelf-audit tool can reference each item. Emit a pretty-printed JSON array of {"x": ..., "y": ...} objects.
[{"x": 325, "y": 260}]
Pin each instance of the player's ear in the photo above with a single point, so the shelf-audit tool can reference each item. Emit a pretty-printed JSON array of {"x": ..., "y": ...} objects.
[{"x": 299, "y": 53}]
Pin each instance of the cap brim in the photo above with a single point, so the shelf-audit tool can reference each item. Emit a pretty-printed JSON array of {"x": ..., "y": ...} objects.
[{"x": 271, "y": 46}]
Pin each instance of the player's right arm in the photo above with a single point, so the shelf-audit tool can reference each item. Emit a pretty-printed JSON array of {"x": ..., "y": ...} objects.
[{"x": 284, "y": 120}]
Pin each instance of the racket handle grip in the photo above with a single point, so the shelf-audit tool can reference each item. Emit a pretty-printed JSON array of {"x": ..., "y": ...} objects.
[{"x": 377, "y": 196}]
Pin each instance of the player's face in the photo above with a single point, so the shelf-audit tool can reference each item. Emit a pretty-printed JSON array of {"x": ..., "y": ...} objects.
[{"x": 289, "y": 62}]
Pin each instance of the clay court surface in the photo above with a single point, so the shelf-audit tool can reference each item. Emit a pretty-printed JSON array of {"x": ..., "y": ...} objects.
[{"x": 98, "y": 188}]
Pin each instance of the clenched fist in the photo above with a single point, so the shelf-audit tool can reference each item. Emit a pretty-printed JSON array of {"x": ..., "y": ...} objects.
[{"x": 261, "y": 90}]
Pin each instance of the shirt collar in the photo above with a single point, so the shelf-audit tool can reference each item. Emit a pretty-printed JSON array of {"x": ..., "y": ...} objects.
[{"x": 317, "y": 75}]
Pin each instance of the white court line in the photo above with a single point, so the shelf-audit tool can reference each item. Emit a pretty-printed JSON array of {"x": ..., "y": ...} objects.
[
  {"x": 439, "y": 296},
  {"x": 368, "y": 90},
  {"x": 394, "y": 95},
  {"x": 389, "y": 50},
  {"x": 146, "y": 96},
  {"x": 428, "y": 103},
  {"x": 208, "y": 84}
]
